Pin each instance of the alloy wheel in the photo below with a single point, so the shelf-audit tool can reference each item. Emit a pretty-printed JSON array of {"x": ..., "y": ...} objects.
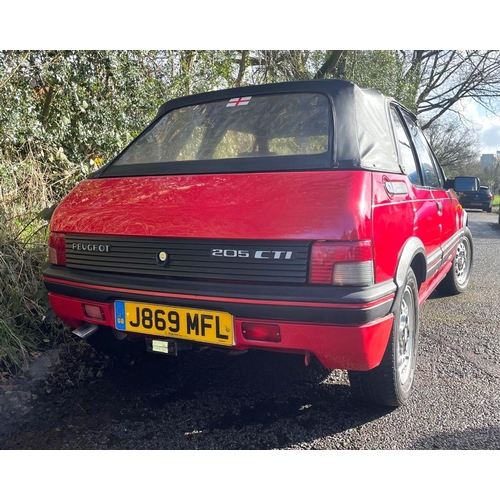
[
  {"x": 462, "y": 261},
  {"x": 406, "y": 336}
]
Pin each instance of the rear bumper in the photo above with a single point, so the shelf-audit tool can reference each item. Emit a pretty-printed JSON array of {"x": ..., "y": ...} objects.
[
  {"x": 351, "y": 336},
  {"x": 478, "y": 205}
]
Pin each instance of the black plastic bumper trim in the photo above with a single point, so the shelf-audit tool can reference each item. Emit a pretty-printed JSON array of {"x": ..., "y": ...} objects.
[
  {"x": 232, "y": 290},
  {"x": 272, "y": 312}
]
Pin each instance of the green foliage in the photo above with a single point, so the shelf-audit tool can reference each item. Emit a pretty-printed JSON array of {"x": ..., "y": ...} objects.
[
  {"x": 89, "y": 103},
  {"x": 19, "y": 313},
  {"x": 383, "y": 70},
  {"x": 25, "y": 320},
  {"x": 194, "y": 71}
]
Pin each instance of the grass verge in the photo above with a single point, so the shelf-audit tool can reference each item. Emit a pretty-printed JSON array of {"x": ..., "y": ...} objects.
[{"x": 27, "y": 325}]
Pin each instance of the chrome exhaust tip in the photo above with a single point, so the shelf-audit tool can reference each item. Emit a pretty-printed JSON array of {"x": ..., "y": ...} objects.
[{"x": 86, "y": 330}]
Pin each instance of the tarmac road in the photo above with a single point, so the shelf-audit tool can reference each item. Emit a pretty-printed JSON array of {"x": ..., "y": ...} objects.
[{"x": 267, "y": 401}]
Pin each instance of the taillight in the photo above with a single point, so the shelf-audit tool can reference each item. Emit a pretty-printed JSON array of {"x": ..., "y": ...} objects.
[
  {"x": 342, "y": 263},
  {"x": 57, "y": 249}
]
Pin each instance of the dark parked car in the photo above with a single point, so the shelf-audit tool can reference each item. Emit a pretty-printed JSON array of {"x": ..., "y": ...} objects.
[
  {"x": 482, "y": 199},
  {"x": 300, "y": 217}
]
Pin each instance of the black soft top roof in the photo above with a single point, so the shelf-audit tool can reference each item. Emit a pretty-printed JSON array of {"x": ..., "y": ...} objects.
[{"x": 362, "y": 129}]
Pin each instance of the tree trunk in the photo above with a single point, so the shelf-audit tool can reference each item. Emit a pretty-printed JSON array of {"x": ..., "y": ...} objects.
[
  {"x": 241, "y": 71},
  {"x": 49, "y": 96},
  {"x": 332, "y": 59}
]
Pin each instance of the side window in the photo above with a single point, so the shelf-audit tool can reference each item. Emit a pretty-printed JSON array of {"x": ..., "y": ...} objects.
[
  {"x": 405, "y": 152},
  {"x": 430, "y": 171}
]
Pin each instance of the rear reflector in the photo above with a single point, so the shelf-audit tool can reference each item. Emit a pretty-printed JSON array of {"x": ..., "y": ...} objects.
[
  {"x": 57, "y": 249},
  {"x": 263, "y": 332},
  {"x": 342, "y": 263},
  {"x": 95, "y": 312}
]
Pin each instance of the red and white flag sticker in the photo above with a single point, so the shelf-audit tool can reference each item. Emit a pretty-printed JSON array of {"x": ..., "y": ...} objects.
[{"x": 238, "y": 101}]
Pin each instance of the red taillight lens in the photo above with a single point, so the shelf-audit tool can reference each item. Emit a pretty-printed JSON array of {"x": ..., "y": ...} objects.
[
  {"x": 57, "y": 249},
  {"x": 342, "y": 263},
  {"x": 260, "y": 331}
]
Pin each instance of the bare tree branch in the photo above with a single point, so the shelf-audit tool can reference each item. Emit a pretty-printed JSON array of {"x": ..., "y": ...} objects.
[
  {"x": 455, "y": 145},
  {"x": 446, "y": 77},
  {"x": 14, "y": 71}
]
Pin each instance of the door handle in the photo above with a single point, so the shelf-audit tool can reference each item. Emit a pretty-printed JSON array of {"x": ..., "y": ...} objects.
[{"x": 439, "y": 205}]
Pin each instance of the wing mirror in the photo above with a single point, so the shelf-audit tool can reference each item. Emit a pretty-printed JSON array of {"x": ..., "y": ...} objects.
[{"x": 461, "y": 184}]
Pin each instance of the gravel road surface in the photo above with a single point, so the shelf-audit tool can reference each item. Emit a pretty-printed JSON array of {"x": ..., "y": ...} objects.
[{"x": 74, "y": 398}]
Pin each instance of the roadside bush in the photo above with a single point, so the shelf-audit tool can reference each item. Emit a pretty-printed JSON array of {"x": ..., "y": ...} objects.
[
  {"x": 27, "y": 187},
  {"x": 20, "y": 312}
]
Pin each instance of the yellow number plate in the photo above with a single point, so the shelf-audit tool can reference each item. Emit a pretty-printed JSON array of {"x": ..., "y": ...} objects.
[{"x": 212, "y": 327}]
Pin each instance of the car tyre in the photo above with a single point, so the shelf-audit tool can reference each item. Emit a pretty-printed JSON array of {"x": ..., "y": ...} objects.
[
  {"x": 489, "y": 210},
  {"x": 391, "y": 383},
  {"x": 457, "y": 279}
]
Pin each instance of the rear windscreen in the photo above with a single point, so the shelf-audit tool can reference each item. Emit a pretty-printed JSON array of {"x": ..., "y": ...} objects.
[{"x": 242, "y": 127}]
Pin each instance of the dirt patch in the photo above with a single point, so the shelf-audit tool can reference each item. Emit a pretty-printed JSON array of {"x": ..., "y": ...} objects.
[{"x": 62, "y": 367}]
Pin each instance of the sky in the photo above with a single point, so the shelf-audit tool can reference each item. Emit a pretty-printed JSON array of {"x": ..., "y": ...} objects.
[
  {"x": 488, "y": 125},
  {"x": 490, "y": 136}
]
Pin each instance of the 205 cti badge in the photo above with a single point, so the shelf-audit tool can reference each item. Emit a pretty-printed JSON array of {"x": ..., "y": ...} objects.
[
  {"x": 302, "y": 217},
  {"x": 255, "y": 254}
]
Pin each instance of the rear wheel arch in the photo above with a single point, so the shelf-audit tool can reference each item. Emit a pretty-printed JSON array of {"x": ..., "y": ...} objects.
[
  {"x": 419, "y": 266},
  {"x": 391, "y": 382},
  {"x": 412, "y": 256}
]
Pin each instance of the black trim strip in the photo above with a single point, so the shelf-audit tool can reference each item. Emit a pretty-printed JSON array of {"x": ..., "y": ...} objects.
[
  {"x": 443, "y": 253},
  {"x": 321, "y": 161},
  {"x": 450, "y": 245},
  {"x": 283, "y": 292},
  {"x": 271, "y": 312},
  {"x": 432, "y": 269}
]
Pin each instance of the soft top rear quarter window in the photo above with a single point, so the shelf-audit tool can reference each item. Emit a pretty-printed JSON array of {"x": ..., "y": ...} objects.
[{"x": 251, "y": 126}]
